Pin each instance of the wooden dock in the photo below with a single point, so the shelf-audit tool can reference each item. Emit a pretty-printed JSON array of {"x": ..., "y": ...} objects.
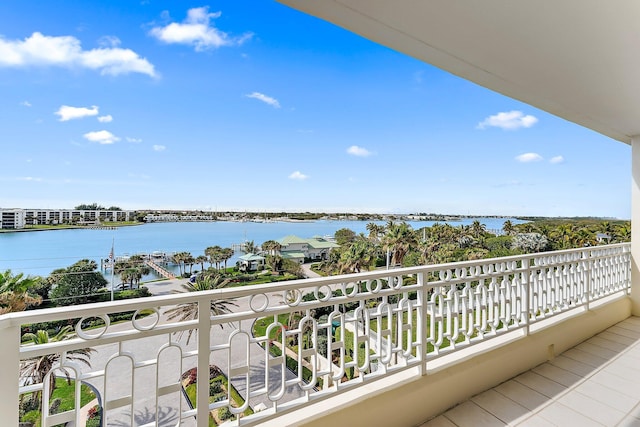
[{"x": 160, "y": 270}]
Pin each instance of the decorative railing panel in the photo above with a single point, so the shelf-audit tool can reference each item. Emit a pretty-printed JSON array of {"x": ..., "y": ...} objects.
[{"x": 290, "y": 343}]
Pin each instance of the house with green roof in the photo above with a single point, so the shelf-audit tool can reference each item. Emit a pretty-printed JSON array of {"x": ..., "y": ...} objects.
[
  {"x": 316, "y": 248},
  {"x": 250, "y": 262}
]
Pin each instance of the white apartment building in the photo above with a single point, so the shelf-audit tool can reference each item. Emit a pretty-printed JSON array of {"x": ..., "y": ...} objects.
[
  {"x": 12, "y": 218},
  {"x": 19, "y": 218}
]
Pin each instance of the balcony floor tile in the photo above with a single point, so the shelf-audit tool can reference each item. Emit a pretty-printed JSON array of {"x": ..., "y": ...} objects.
[{"x": 592, "y": 384}]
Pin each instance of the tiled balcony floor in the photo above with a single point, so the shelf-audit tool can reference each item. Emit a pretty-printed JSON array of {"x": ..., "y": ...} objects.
[{"x": 596, "y": 383}]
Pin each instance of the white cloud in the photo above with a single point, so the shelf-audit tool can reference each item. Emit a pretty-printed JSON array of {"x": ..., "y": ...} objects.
[
  {"x": 556, "y": 159},
  {"x": 66, "y": 51},
  {"x": 109, "y": 41},
  {"x": 529, "y": 157},
  {"x": 264, "y": 98},
  {"x": 197, "y": 30},
  {"x": 29, "y": 178},
  {"x": 299, "y": 176},
  {"x": 358, "y": 151},
  {"x": 25, "y": 104},
  {"x": 159, "y": 148},
  {"x": 105, "y": 119},
  {"x": 510, "y": 120},
  {"x": 69, "y": 113},
  {"x": 101, "y": 137},
  {"x": 134, "y": 140}
]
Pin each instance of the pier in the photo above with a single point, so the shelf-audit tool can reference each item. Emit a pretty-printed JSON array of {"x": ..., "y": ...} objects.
[{"x": 160, "y": 270}]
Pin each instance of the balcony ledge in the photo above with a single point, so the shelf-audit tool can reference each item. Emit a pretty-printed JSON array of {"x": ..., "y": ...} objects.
[{"x": 408, "y": 399}]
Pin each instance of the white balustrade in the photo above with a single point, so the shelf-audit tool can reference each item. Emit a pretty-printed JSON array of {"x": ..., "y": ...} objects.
[{"x": 351, "y": 330}]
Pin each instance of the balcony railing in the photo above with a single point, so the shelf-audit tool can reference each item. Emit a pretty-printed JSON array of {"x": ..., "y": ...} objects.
[{"x": 295, "y": 342}]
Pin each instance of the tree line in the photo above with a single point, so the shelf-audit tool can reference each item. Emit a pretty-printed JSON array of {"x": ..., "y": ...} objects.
[{"x": 398, "y": 244}]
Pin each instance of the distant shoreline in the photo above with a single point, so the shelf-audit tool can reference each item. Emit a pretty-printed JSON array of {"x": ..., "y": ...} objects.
[{"x": 68, "y": 227}]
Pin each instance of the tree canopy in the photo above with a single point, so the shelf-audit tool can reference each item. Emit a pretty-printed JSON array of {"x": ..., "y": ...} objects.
[{"x": 77, "y": 283}]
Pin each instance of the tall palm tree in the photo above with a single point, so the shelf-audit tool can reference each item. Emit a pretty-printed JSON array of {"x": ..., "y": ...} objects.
[
  {"x": 34, "y": 370},
  {"x": 398, "y": 238},
  {"x": 225, "y": 255},
  {"x": 189, "y": 311},
  {"x": 201, "y": 259},
  {"x": 179, "y": 258},
  {"x": 211, "y": 253},
  {"x": 189, "y": 260}
]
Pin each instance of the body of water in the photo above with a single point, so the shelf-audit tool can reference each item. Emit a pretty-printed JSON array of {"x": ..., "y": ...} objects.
[{"x": 40, "y": 252}]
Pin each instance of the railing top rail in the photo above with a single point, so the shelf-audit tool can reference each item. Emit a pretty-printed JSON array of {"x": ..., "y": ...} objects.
[{"x": 97, "y": 309}]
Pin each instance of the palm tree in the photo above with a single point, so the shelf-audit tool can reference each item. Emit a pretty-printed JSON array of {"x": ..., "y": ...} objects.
[
  {"x": 399, "y": 238},
  {"x": 271, "y": 247},
  {"x": 225, "y": 255},
  {"x": 211, "y": 253},
  {"x": 16, "y": 292},
  {"x": 132, "y": 270},
  {"x": 357, "y": 256},
  {"x": 189, "y": 260},
  {"x": 477, "y": 229},
  {"x": 34, "y": 370},
  {"x": 179, "y": 258},
  {"x": 249, "y": 247},
  {"x": 375, "y": 230},
  {"x": 584, "y": 237},
  {"x": 201, "y": 259},
  {"x": 189, "y": 311},
  {"x": 564, "y": 233},
  {"x": 215, "y": 255},
  {"x": 623, "y": 233},
  {"x": 508, "y": 228}
]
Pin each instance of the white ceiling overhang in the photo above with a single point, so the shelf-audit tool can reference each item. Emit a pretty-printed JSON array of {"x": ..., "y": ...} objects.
[{"x": 577, "y": 59}]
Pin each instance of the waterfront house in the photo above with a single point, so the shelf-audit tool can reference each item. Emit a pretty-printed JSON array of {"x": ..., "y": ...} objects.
[
  {"x": 315, "y": 248},
  {"x": 250, "y": 262}
]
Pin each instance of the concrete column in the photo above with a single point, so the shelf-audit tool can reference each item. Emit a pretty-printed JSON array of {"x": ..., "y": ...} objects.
[{"x": 635, "y": 226}]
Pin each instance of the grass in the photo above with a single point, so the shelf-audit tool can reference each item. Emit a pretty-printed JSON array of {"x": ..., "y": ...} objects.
[
  {"x": 65, "y": 392},
  {"x": 237, "y": 400},
  {"x": 348, "y": 344},
  {"x": 414, "y": 322},
  {"x": 260, "y": 329}
]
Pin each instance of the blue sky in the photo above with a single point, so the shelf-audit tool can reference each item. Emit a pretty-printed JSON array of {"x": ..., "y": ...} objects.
[{"x": 250, "y": 105}]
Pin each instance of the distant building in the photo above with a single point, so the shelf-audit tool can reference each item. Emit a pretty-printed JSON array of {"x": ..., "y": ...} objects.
[
  {"x": 250, "y": 262},
  {"x": 316, "y": 248},
  {"x": 19, "y": 218},
  {"x": 174, "y": 217},
  {"x": 12, "y": 218}
]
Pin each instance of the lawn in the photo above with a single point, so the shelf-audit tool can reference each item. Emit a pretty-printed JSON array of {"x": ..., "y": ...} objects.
[
  {"x": 218, "y": 390},
  {"x": 63, "y": 391}
]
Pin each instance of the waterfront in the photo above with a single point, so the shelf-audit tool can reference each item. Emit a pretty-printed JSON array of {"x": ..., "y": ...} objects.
[{"x": 38, "y": 253}]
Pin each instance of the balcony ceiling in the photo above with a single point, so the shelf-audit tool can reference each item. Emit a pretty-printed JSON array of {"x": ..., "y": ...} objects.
[{"x": 577, "y": 59}]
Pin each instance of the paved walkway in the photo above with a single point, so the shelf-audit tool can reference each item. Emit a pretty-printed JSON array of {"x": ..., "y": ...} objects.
[
  {"x": 596, "y": 383},
  {"x": 308, "y": 272}
]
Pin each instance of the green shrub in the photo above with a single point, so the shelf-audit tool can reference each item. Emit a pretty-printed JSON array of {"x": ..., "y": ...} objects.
[
  {"x": 215, "y": 388},
  {"x": 224, "y": 413}
]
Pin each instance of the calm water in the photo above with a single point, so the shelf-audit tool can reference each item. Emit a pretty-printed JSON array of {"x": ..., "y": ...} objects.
[{"x": 40, "y": 252}]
